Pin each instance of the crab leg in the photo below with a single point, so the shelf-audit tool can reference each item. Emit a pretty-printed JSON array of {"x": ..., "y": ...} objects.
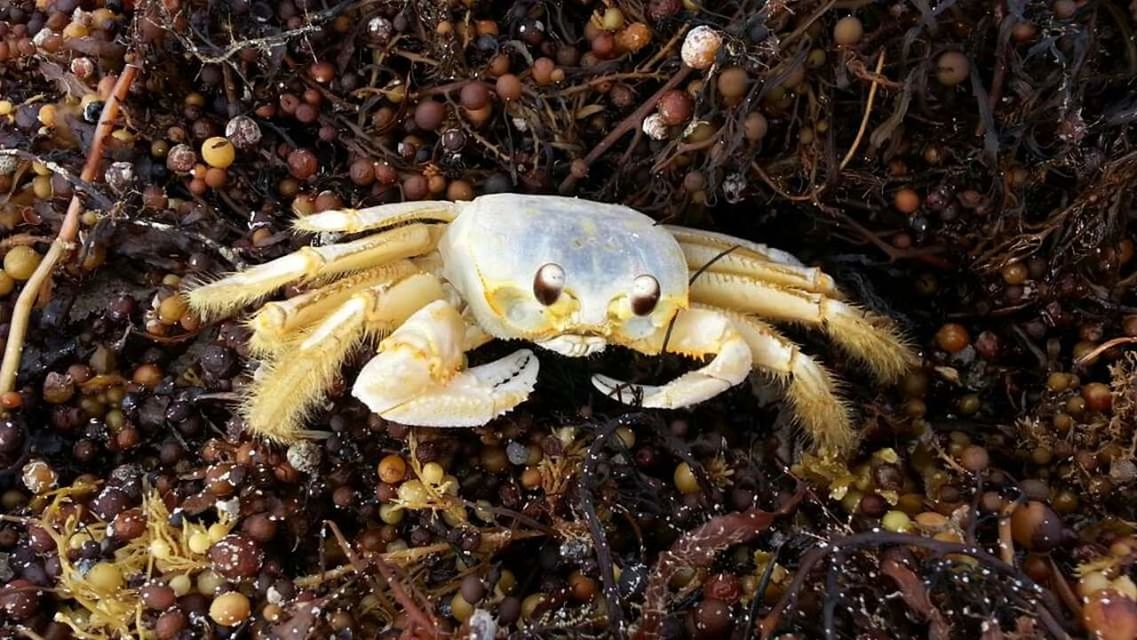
[
  {"x": 237, "y": 290},
  {"x": 722, "y": 242},
  {"x": 866, "y": 336},
  {"x": 696, "y": 333},
  {"x": 702, "y": 259},
  {"x": 276, "y": 322},
  {"x": 476, "y": 336},
  {"x": 417, "y": 378},
  {"x": 810, "y": 388},
  {"x": 386, "y": 215},
  {"x": 287, "y": 388}
]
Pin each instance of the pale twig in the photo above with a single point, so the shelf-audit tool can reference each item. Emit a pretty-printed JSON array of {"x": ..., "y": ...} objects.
[
  {"x": 1092, "y": 355},
  {"x": 1006, "y": 538},
  {"x": 868, "y": 112},
  {"x": 68, "y": 231},
  {"x": 264, "y": 43},
  {"x": 28, "y": 633}
]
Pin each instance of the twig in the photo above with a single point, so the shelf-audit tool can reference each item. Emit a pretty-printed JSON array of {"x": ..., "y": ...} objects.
[
  {"x": 449, "y": 87},
  {"x": 22, "y": 239},
  {"x": 500, "y": 155},
  {"x": 698, "y": 548},
  {"x": 595, "y": 528},
  {"x": 223, "y": 251},
  {"x": 805, "y": 197},
  {"x": 915, "y": 595},
  {"x": 414, "y": 57},
  {"x": 263, "y": 43},
  {"x": 68, "y": 231},
  {"x": 1000, "y": 77},
  {"x": 760, "y": 592},
  {"x": 1030, "y": 345},
  {"x": 829, "y": 611},
  {"x": 421, "y": 618},
  {"x": 613, "y": 77},
  {"x": 1045, "y": 606},
  {"x": 1005, "y": 538},
  {"x": 1065, "y": 592},
  {"x": 410, "y": 607},
  {"x": 234, "y": 106},
  {"x": 632, "y": 121},
  {"x": 1089, "y": 357},
  {"x": 665, "y": 50},
  {"x": 927, "y": 254},
  {"x": 804, "y": 26},
  {"x": 868, "y": 112},
  {"x": 76, "y": 183},
  {"x": 28, "y": 633}
]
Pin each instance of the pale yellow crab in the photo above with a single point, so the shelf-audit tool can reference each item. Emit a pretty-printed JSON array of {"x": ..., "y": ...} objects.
[{"x": 568, "y": 275}]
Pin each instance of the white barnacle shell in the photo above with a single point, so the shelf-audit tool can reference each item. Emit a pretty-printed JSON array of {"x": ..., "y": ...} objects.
[
  {"x": 304, "y": 456},
  {"x": 655, "y": 127},
  {"x": 700, "y": 47},
  {"x": 39, "y": 477},
  {"x": 243, "y": 131},
  {"x": 119, "y": 176},
  {"x": 9, "y": 164},
  {"x": 230, "y": 507},
  {"x": 41, "y": 36}
]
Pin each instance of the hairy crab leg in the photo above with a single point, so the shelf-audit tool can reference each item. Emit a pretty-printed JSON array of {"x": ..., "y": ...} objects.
[
  {"x": 696, "y": 333},
  {"x": 417, "y": 378},
  {"x": 703, "y": 258},
  {"x": 276, "y": 323},
  {"x": 286, "y": 389},
  {"x": 871, "y": 338},
  {"x": 227, "y": 295},
  {"x": 810, "y": 387},
  {"x": 386, "y": 215}
]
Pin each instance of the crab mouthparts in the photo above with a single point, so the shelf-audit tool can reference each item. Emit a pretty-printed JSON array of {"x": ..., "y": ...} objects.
[{"x": 574, "y": 345}]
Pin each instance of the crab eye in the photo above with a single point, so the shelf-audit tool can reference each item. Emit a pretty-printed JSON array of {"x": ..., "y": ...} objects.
[
  {"x": 645, "y": 294},
  {"x": 548, "y": 283}
]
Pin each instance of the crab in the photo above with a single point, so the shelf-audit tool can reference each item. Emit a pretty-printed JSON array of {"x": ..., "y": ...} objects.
[{"x": 433, "y": 280}]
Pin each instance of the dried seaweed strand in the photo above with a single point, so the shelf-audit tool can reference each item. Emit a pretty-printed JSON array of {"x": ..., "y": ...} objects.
[
  {"x": 629, "y": 123},
  {"x": 868, "y": 112},
  {"x": 1046, "y": 606},
  {"x": 698, "y": 548},
  {"x": 595, "y": 528},
  {"x": 68, "y": 231}
]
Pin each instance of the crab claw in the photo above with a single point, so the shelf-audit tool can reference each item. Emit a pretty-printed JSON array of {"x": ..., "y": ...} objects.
[
  {"x": 417, "y": 378},
  {"x": 696, "y": 333}
]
